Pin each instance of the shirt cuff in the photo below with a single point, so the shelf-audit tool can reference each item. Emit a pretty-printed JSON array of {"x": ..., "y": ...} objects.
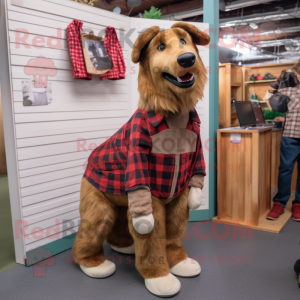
[
  {"x": 140, "y": 202},
  {"x": 197, "y": 181}
]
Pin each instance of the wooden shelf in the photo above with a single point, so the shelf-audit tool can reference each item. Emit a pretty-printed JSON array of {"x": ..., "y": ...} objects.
[
  {"x": 259, "y": 81},
  {"x": 258, "y": 101},
  {"x": 236, "y": 84},
  {"x": 231, "y": 85},
  {"x": 263, "y": 223}
]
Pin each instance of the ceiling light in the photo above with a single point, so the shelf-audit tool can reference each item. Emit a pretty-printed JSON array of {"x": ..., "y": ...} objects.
[{"x": 253, "y": 26}]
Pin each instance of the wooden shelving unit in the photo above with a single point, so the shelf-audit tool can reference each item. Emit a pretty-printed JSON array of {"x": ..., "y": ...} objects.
[
  {"x": 259, "y": 81},
  {"x": 230, "y": 85},
  {"x": 244, "y": 194},
  {"x": 260, "y": 87}
]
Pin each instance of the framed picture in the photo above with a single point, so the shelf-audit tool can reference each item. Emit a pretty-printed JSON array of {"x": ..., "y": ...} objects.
[
  {"x": 96, "y": 59},
  {"x": 36, "y": 96}
]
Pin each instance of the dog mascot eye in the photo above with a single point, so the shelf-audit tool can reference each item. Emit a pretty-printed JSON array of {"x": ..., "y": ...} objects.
[
  {"x": 161, "y": 47},
  {"x": 182, "y": 41}
]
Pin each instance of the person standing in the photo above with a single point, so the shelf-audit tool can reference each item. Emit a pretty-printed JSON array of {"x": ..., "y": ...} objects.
[{"x": 289, "y": 153}]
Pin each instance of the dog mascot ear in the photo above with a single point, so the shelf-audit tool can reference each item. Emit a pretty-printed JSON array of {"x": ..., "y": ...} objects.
[
  {"x": 199, "y": 37},
  {"x": 143, "y": 39}
]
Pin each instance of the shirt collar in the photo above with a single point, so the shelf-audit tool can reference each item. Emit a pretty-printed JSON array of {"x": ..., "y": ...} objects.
[
  {"x": 155, "y": 118},
  {"x": 78, "y": 24}
]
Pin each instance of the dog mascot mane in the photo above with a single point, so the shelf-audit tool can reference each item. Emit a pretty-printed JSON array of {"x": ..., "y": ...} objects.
[{"x": 140, "y": 184}]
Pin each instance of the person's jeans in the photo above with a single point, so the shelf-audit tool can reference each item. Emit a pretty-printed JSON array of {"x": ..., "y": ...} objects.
[{"x": 289, "y": 153}]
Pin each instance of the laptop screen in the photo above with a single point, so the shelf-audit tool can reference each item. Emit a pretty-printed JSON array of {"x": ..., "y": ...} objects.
[
  {"x": 259, "y": 115},
  {"x": 245, "y": 113}
]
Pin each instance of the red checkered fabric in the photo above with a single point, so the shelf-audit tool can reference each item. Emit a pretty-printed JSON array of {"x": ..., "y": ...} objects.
[
  {"x": 115, "y": 52},
  {"x": 74, "y": 40},
  {"x": 125, "y": 162}
]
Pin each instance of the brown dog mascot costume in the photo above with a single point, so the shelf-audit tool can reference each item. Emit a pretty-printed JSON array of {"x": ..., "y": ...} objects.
[{"x": 140, "y": 184}]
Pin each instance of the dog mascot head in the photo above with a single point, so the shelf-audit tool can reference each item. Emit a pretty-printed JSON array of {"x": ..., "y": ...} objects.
[{"x": 171, "y": 74}]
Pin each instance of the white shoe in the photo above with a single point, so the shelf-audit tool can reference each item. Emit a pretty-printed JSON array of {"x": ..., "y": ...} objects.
[
  {"x": 125, "y": 250},
  {"x": 166, "y": 286},
  {"x": 104, "y": 270},
  {"x": 186, "y": 268}
]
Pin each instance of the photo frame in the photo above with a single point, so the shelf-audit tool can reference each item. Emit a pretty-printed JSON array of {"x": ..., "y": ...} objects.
[
  {"x": 97, "y": 61},
  {"x": 36, "y": 96}
]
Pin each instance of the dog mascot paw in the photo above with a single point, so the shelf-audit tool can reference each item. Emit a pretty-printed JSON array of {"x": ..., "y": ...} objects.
[{"x": 141, "y": 183}]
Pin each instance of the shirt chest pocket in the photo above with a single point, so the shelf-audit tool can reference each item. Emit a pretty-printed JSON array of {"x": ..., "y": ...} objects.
[{"x": 161, "y": 172}]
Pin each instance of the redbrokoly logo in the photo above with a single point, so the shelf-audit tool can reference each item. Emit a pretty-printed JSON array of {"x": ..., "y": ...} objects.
[
  {"x": 40, "y": 68},
  {"x": 40, "y": 267}
]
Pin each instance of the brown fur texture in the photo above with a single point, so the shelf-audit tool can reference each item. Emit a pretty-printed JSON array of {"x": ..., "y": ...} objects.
[
  {"x": 144, "y": 38},
  {"x": 199, "y": 37},
  {"x": 97, "y": 216},
  {"x": 103, "y": 216},
  {"x": 157, "y": 93},
  {"x": 120, "y": 236}
]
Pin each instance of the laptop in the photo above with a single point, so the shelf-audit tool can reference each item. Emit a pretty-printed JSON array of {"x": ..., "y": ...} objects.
[
  {"x": 260, "y": 119},
  {"x": 250, "y": 116}
]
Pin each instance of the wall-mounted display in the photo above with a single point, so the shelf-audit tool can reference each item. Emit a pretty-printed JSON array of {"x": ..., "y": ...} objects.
[
  {"x": 87, "y": 57},
  {"x": 36, "y": 96}
]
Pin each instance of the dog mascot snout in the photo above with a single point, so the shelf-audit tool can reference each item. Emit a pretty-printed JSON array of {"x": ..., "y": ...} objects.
[
  {"x": 140, "y": 184},
  {"x": 186, "y": 60}
]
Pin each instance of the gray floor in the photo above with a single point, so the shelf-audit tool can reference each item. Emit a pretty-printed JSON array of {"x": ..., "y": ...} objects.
[{"x": 270, "y": 274}]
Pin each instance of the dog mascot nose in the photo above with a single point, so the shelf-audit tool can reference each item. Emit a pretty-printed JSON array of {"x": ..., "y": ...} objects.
[{"x": 186, "y": 60}]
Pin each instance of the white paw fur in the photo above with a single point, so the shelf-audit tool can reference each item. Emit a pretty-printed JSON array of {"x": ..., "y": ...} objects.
[
  {"x": 143, "y": 224},
  {"x": 186, "y": 268},
  {"x": 125, "y": 250},
  {"x": 195, "y": 198},
  {"x": 166, "y": 286},
  {"x": 104, "y": 270}
]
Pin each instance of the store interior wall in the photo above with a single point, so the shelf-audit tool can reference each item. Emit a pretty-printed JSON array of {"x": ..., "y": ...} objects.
[{"x": 54, "y": 141}]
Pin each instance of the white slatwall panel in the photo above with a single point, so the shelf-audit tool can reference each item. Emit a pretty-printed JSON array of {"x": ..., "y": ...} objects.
[{"x": 50, "y": 164}]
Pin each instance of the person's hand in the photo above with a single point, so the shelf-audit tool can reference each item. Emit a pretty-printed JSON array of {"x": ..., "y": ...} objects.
[{"x": 282, "y": 119}]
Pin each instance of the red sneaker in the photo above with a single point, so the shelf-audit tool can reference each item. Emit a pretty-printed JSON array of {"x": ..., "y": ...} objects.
[
  {"x": 275, "y": 212},
  {"x": 296, "y": 212},
  {"x": 260, "y": 77}
]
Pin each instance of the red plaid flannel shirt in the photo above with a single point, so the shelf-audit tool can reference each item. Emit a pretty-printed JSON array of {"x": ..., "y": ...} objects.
[
  {"x": 75, "y": 47},
  {"x": 114, "y": 50},
  {"x": 124, "y": 162}
]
